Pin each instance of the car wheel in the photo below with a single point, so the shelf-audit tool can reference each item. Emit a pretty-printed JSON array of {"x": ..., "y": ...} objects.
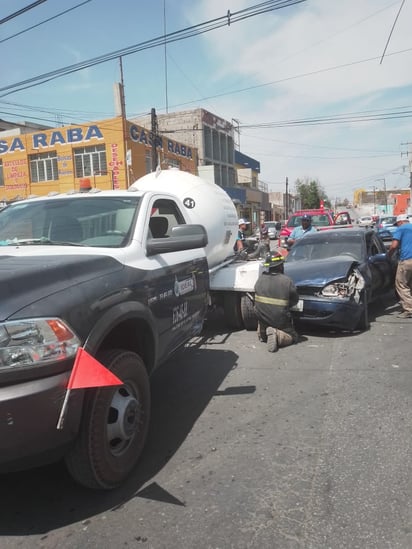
[
  {"x": 232, "y": 310},
  {"x": 114, "y": 425},
  {"x": 249, "y": 317},
  {"x": 364, "y": 323}
]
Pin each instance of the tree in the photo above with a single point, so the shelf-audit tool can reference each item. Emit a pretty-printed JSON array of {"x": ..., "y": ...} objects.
[{"x": 311, "y": 193}]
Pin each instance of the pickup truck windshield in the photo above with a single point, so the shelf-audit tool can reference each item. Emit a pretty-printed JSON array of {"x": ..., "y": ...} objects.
[
  {"x": 92, "y": 221},
  {"x": 317, "y": 220}
]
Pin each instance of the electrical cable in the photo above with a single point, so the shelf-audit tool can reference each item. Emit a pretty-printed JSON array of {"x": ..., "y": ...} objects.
[
  {"x": 21, "y": 11},
  {"x": 175, "y": 36},
  {"x": 44, "y": 21}
]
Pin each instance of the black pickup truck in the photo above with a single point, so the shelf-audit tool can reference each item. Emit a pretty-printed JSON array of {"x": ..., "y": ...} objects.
[{"x": 120, "y": 274}]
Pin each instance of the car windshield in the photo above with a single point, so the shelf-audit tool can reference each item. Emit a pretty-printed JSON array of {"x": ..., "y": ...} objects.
[
  {"x": 388, "y": 220},
  {"x": 307, "y": 249},
  {"x": 321, "y": 220},
  {"x": 86, "y": 221}
]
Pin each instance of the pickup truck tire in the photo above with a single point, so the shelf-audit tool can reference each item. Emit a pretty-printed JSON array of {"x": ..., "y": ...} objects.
[
  {"x": 232, "y": 310},
  {"x": 249, "y": 317},
  {"x": 114, "y": 425}
]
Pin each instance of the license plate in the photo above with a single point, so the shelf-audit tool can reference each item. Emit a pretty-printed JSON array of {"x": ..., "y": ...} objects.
[{"x": 298, "y": 306}]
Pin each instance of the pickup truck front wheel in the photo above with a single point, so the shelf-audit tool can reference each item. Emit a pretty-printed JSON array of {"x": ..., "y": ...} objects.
[{"x": 114, "y": 425}]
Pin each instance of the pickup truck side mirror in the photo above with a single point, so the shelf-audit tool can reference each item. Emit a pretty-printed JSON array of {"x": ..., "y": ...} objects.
[{"x": 182, "y": 237}]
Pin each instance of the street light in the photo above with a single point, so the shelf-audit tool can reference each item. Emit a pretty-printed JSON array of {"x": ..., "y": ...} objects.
[{"x": 384, "y": 193}]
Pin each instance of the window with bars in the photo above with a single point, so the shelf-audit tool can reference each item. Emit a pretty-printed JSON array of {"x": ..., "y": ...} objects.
[
  {"x": 172, "y": 163},
  {"x": 90, "y": 161},
  {"x": 43, "y": 167}
]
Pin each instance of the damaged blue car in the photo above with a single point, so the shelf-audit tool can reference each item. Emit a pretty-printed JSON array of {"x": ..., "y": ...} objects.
[{"x": 338, "y": 273}]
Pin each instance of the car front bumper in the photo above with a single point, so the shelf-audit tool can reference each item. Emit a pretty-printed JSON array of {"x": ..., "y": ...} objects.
[
  {"x": 29, "y": 412},
  {"x": 341, "y": 313}
]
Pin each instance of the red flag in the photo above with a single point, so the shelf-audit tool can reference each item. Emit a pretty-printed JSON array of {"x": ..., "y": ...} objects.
[{"x": 88, "y": 372}]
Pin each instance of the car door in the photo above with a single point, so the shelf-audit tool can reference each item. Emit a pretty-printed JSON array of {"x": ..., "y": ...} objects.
[
  {"x": 178, "y": 285},
  {"x": 380, "y": 266}
]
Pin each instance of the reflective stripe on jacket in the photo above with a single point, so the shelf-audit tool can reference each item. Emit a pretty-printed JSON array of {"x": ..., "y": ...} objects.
[{"x": 275, "y": 293}]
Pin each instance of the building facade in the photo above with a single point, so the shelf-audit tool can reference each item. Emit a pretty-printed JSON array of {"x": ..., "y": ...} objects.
[
  {"x": 256, "y": 206},
  {"x": 109, "y": 154},
  {"x": 212, "y": 136},
  {"x": 219, "y": 161}
]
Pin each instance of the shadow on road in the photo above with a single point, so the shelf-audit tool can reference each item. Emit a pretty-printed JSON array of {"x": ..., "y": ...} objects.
[{"x": 46, "y": 498}]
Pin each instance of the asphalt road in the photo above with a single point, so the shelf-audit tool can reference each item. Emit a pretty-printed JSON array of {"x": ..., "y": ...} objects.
[{"x": 309, "y": 447}]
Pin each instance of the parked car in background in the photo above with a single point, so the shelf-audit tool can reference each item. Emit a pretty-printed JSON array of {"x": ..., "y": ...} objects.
[
  {"x": 337, "y": 274},
  {"x": 273, "y": 228},
  {"x": 322, "y": 219},
  {"x": 386, "y": 222},
  {"x": 366, "y": 221}
]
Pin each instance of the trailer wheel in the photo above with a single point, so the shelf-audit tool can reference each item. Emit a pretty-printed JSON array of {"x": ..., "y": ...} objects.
[
  {"x": 114, "y": 425},
  {"x": 232, "y": 310},
  {"x": 249, "y": 317}
]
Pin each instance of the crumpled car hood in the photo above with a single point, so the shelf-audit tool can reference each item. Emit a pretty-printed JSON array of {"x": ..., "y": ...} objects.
[{"x": 319, "y": 272}]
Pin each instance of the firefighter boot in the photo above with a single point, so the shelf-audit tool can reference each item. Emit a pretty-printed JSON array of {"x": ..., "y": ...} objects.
[
  {"x": 284, "y": 339},
  {"x": 261, "y": 332},
  {"x": 272, "y": 339}
]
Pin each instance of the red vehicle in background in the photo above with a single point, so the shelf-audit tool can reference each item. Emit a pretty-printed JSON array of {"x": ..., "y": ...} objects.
[{"x": 321, "y": 219}]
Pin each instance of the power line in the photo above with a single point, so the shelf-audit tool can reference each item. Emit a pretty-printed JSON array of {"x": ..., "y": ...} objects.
[
  {"x": 390, "y": 34},
  {"x": 286, "y": 79},
  {"x": 334, "y": 119},
  {"x": 44, "y": 21},
  {"x": 188, "y": 32},
  {"x": 315, "y": 146},
  {"x": 21, "y": 11}
]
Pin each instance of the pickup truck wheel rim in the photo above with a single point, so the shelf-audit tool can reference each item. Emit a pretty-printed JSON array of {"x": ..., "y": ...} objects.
[{"x": 123, "y": 419}]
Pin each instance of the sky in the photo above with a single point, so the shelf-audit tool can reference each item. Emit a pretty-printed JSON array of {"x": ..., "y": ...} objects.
[{"x": 279, "y": 76}]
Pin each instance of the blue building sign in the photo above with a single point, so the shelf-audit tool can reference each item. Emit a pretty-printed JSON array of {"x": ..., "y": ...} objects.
[
  {"x": 238, "y": 195},
  {"x": 247, "y": 161}
]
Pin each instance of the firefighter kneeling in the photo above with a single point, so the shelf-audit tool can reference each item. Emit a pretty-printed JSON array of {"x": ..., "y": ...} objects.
[{"x": 275, "y": 294}]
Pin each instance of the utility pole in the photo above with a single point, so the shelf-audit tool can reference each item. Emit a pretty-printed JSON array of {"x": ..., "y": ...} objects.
[
  {"x": 123, "y": 115},
  {"x": 236, "y": 129},
  {"x": 154, "y": 138},
  {"x": 407, "y": 153},
  {"x": 165, "y": 54},
  {"x": 287, "y": 199}
]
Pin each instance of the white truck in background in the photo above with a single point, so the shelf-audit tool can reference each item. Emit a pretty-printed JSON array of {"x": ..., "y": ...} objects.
[{"x": 128, "y": 276}]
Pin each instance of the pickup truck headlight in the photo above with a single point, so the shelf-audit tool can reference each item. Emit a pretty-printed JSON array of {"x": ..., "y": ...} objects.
[{"x": 35, "y": 342}]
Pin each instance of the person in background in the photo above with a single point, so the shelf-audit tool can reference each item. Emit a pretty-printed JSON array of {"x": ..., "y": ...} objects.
[
  {"x": 402, "y": 241},
  {"x": 263, "y": 246},
  {"x": 275, "y": 294},
  {"x": 299, "y": 232},
  {"x": 241, "y": 236}
]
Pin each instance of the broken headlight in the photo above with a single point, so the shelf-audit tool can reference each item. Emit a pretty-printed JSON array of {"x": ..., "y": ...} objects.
[
  {"x": 351, "y": 288},
  {"x": 338, "y": 289},
  {"x": 35, "y": 342}
]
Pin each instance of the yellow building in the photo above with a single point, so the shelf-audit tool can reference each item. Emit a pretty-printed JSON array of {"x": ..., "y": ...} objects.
[{"x": 110, "y": 154}]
